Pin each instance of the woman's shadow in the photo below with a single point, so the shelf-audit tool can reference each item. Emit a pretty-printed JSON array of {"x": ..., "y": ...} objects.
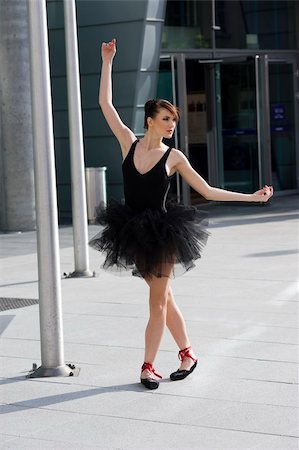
[{"x": 42, "y": 402}]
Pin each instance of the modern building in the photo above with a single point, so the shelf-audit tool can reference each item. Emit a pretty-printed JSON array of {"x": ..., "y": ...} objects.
[{"x": 232, "y": 67}]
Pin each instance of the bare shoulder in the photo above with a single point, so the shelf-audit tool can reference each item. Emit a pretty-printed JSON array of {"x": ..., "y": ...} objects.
[
  {"x": 176, "y": 161},
  {"x": 177, "y": 158}
]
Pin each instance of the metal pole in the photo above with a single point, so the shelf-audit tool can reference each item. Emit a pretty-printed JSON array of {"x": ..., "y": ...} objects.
[
  {"x": 266, "y": 129},
  {"x": 173, "y": 82},
  {"x": 258, "y": 118},
  {"x": 214, "y": 28},
  {"x": 183, "y": 123},
  {"x": 79, "y": 209},
  {"x": 50, "y": 309}
]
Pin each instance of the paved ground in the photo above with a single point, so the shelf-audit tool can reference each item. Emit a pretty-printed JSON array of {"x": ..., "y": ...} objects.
[{"x": 240, "y": 305}]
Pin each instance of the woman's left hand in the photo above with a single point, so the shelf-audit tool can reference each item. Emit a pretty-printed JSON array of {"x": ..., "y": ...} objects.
[{"x": 263, "y": 194}]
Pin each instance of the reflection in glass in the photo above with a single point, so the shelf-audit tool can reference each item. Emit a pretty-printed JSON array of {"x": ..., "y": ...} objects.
[
  {"x": 256, "y": 24},
  {"x": 165, "y": 89},
  {"x": 239, "y": 133},
  {"x": 187, "y": 24},
  {"x": 197, "y": 120}
]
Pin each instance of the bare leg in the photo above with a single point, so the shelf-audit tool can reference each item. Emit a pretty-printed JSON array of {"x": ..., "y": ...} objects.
[
  {"x": 177, "y": 327},
  {"x": 158, "y": 308}
]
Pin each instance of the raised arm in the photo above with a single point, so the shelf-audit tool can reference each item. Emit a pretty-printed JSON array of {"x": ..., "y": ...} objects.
[
  {"x": 123, "y": 134},
  {"x": 185, "y": 169}
]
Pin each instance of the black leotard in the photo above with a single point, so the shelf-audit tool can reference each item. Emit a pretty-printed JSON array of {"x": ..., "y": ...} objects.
[
  {"x": 148, "y": 190},
  {"x": 148, "y": 236}
]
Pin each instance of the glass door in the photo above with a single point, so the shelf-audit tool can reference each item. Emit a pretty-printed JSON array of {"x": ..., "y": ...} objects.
[
  {"x": 183, "y": 82},
  {"x": 237, "y": 120},
  {"x": 255, "y": 115}
]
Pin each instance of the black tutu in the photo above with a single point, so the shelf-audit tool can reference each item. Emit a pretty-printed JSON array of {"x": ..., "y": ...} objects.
[{"x": 146, "y": 242}]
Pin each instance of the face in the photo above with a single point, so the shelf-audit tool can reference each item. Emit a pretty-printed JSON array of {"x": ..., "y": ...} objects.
[{"x": 163, "y": 123}]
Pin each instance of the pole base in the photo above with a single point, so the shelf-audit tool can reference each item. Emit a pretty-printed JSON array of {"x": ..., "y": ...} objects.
[
  {"x": 80, "y": 274},
  {"x": 67, "y": 370}
]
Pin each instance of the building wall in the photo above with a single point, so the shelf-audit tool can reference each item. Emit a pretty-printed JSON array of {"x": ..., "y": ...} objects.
[{"x": 137, "y": 27}]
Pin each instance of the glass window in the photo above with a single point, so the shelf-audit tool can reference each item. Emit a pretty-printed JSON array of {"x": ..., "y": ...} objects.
[
  {"x": 256, "y": 24},
  {"x": 187, "y": 24}
]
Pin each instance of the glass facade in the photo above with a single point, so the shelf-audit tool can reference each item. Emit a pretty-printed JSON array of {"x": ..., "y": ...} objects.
[
  {"x": 239, "y": 97},
  {"x": 256, "y": 24},
  {"x": 244, "y": 24}
]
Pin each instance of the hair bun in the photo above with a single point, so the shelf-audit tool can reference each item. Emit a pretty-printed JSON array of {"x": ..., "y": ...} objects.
[{"x": 150, "y": 103}]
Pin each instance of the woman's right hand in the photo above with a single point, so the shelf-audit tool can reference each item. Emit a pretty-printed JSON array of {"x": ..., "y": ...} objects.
[
  {"x": 108, "y": 50},
  {"x": 263, "y": 194}
]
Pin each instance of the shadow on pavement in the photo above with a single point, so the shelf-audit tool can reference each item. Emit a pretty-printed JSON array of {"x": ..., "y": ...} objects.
[
  {"x": 247, "y": 219},
  {"x": 70, "y": 396},
  {"x": 273, "y": 253}
]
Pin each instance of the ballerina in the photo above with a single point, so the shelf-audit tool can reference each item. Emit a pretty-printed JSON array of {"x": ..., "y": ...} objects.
[{"x": 147, "y": 235}]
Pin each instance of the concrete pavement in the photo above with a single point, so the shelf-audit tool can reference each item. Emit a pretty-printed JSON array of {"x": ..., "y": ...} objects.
[{"x": 240, "y": 305}]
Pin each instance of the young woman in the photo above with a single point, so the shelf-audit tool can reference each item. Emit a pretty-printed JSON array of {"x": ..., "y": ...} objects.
[{"x": 146, "y": 235}]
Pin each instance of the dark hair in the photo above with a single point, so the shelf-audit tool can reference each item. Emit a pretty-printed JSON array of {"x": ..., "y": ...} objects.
[{"x": 152, "y": 107}]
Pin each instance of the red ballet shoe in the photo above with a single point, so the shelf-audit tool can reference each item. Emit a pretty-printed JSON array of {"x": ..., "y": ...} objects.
[
  {"x": 181, "y": 374},
  {"x": 149, "y": 382}
]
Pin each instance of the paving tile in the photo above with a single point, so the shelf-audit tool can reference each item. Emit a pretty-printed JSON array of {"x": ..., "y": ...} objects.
[{"x": 146, "y": 434}]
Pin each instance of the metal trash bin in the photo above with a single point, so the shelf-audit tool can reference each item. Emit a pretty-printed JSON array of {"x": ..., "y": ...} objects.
[{"x": 96, "y": 195}]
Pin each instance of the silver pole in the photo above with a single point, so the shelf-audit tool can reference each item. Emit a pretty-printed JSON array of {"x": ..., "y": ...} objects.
[
  {"x": 266, "y": 169},
  {"x": 183, "y": 123},
  {"x": 258, "y": 118},
  {"x": 213, "y": 27},
  {"x": 79, "y": 209},
  {"x": 173, "y": 82},
  {"x": 50, "y": 309}
]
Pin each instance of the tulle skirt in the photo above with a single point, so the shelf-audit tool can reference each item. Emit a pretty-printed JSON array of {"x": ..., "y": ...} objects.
[{"x": 150, "y": 242}]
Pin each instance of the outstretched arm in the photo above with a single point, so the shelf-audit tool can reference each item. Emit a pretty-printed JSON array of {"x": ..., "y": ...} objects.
[
  {"x": 211, "y": 193},
  {"x": 123, "y": 134}
]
